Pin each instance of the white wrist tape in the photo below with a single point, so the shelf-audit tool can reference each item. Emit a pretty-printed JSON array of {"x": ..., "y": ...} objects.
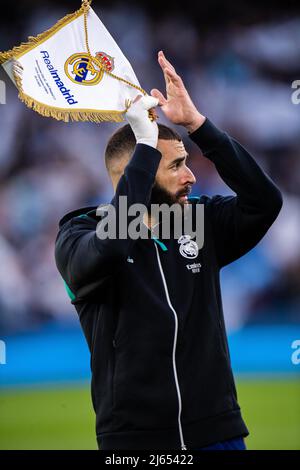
[{"x": 145, "y": 130}]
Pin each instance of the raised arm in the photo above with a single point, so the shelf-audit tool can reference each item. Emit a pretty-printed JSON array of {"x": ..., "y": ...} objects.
[
  {"x": 240, "y": 221},
  {"x": 84, "y": 260}
]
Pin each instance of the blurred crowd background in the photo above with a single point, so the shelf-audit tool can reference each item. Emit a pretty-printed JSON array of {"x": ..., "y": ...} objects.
[{"x": 238, "y": 63}]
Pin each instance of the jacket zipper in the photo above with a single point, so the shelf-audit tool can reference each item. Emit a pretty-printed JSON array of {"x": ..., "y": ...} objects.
[{"x": 183, "y": 446}]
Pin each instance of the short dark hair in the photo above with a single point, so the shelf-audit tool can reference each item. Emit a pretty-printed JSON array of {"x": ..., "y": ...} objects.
[{"x": 123, "y": 141}]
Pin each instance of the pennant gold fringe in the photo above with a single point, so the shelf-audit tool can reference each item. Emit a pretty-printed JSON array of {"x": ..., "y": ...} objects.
[{"x": 65, "y": 115}]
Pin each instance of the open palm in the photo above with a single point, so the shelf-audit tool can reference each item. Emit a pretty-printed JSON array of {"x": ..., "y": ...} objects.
[{"x": 177, "y": 105}]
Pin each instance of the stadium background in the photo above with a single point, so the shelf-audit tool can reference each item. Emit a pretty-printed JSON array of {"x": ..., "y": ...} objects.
[{"x": 238, "y": 62}]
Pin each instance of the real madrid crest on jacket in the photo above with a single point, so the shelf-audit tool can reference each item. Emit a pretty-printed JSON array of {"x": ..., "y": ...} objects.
[
  {"x": 188, "y": 248},
  {"x": 151, "y": 309}
]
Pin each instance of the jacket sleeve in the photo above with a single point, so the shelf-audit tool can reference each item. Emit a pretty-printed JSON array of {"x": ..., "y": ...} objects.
[
  {"x": 238, "y": 222},
  {"x": 83, "y": 259}
]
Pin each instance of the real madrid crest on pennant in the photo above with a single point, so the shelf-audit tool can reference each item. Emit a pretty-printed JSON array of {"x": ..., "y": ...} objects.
[
  {"x": 74, "y": 71},
  {"x": 80, "y": 69}
]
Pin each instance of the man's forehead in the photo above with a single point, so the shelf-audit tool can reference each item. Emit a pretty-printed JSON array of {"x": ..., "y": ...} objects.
[
  {"x": 179, "y": 146},
  {"x": 172, "y": 148}
]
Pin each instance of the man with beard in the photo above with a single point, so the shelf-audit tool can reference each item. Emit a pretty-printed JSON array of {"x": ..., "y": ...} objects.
[{"x": 151, "y": 309}]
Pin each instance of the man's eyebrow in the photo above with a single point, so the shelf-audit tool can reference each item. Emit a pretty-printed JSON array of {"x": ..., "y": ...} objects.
[{"x": 178, "y": 160}]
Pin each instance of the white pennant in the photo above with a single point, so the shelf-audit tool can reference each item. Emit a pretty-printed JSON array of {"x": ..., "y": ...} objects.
[{"x": 74, "y": 71}]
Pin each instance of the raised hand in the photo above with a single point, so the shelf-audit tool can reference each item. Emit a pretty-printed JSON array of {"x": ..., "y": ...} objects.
[{"x": 177, "y": 106}]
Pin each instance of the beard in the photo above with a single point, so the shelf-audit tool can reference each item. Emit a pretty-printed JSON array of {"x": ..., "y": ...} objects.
[
  {"x": 180, "y": 207},
  {"x": 160, "y": 195}
]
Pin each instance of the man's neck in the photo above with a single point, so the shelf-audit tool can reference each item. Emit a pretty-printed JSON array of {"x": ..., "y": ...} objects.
[{"x": 149, "y": 221}]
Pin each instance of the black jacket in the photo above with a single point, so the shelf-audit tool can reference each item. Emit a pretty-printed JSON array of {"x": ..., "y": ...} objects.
[{"x": 161, "y": 372}]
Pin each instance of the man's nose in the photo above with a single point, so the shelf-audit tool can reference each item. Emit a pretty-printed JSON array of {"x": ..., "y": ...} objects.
[{"x": 189, "y": 176}]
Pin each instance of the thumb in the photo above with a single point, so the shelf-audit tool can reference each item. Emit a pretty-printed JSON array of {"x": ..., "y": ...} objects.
[{"x": 157, "y": 94}]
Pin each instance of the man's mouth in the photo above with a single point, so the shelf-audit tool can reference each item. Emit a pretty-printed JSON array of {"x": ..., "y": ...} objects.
[{"x": 184, "y": 194}]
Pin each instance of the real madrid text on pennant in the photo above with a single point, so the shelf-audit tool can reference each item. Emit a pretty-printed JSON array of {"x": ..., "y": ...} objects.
[{"x": 56, "y": 78}]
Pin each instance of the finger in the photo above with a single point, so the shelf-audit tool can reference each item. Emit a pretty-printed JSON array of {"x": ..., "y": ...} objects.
[
  {"x": 167, "y": 77},
  {"x": 163, "y": 64},
  {"x": 157, "y": 94},
  {"x": 162, "y": 58},
  {"x": 171, "y": 75}
]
